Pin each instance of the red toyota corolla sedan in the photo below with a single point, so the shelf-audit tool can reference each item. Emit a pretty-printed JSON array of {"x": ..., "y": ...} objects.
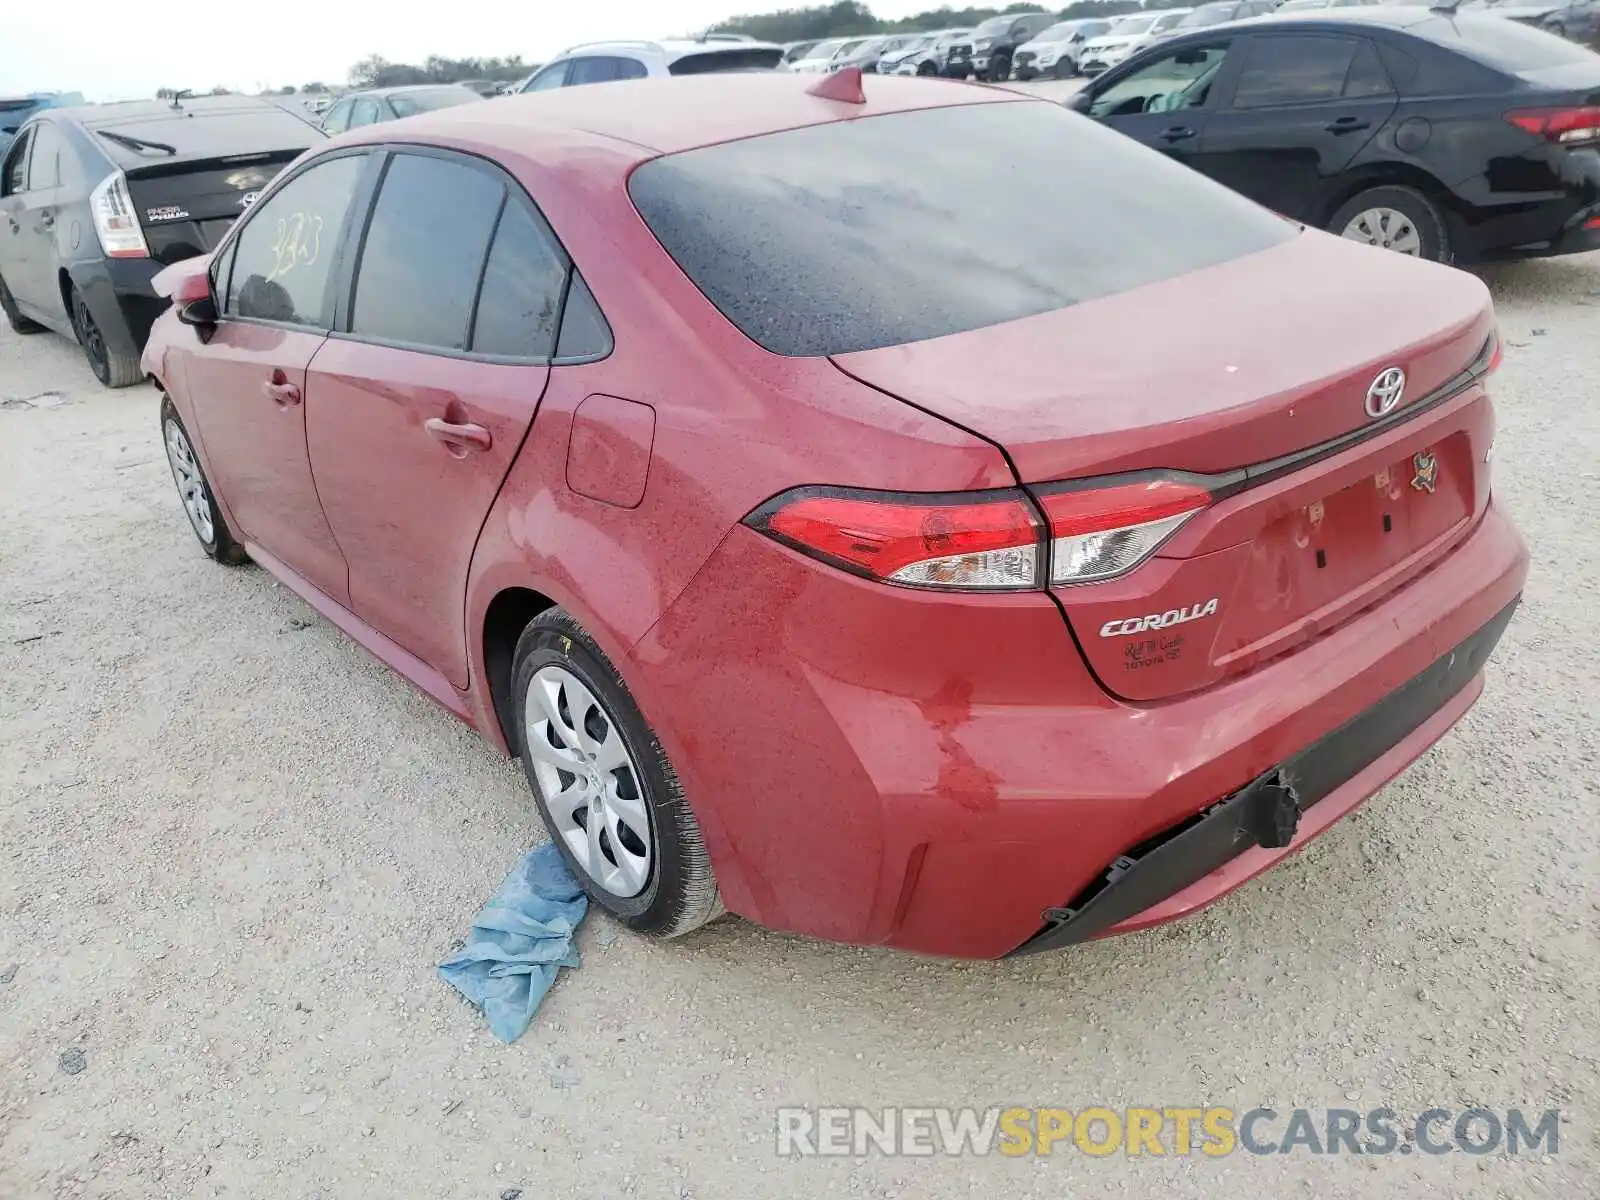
[{"x": 916, "y": 517}]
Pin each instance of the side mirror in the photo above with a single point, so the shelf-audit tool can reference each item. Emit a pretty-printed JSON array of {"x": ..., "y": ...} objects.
[
  {"x": 1080, "y": 101},
  {"x": 201, "y": 314}
]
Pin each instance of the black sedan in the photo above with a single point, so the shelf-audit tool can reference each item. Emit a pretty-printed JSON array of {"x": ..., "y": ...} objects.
[
  {"x": 95, "y": 201},
  {"x": 1447, "y": 135}
]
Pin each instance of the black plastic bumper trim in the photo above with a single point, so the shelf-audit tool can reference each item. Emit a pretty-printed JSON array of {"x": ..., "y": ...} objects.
[{"x": 1265, "y": 811}]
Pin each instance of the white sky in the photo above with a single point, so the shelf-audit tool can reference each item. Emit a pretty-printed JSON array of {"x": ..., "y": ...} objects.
[{"x": 110, "y": 49}]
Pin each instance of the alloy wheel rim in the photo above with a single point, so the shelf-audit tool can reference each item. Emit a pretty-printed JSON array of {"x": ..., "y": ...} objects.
[
  {"x": 591, "y": 785},
  {"x": 1385, "y": 227},
  {"x": 191, "y": 483},
  {"x": 93, "y": 343}
]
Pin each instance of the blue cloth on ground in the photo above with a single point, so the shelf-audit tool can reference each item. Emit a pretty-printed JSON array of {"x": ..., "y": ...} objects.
[{"x": 520, "y": 940}]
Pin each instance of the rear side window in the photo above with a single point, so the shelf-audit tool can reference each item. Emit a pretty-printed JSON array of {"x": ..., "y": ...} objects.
[
  {"x": 286, "y": 249},
  {"x": 887, "y": 237},
  {"x": 1293, "y": 70},
  {"x": 44, "y": 167},
  {"x": 754, "y": 59},
  {"x": 521, "y": 295},
  {"x": 1367, "y": 78},
  {"x": 339, "y": 117},
  {"x": 603, "y": 68},
  {"x": 424, "y": 252}
]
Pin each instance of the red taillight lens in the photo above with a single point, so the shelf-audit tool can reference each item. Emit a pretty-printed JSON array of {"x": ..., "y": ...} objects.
[
  {"x": 1565, "y": 126},
  {"x": 978, "y": 542},
  {"x": 1101, "y": 532},
  {"x": 1496, "y": 355},
  {"x": 985, "y": 541}
]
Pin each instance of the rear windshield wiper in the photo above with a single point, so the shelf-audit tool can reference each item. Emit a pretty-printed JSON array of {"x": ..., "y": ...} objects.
[{"x": 133, "y": 143}]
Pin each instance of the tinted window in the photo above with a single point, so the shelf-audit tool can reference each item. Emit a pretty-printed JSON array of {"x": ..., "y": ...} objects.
[
  {"x": 15, "y": 177},
  {"x": 886, "y": 237},
  {"x": 755, "y": 59},
  {"x": 365, "y": 112},
  {"x": 521, "y": 292},
  {"x": 287, "y": 246},
  {"x": 338, "y": 117},
  {"x": 424, "y": 251},
  {"x": 44, "y": 168},
  {"x": 1179, "y": 80},
  {"x": 1293, "y": 70},
  {"x": 584, "y": 331},
  {"x": 1367, "y": 76},
  {"x": 552, "y": 76}
]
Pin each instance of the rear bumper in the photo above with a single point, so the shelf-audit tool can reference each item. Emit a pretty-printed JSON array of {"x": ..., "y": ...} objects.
[
  {"x": 120, "y": 296},
  {"x": 882, "y": 766},
  {"x": 1279, "y": 811}
]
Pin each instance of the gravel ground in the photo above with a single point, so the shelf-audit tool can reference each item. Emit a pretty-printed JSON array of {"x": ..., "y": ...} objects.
[{"x": 233, "y": 847}]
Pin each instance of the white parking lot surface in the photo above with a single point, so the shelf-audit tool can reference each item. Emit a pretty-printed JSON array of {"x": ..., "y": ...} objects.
[{"x": 233, "y": 847}]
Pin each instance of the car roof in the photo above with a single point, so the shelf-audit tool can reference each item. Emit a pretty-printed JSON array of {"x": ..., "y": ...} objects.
[
  {"x": 405, "y": 89},
  {"x": 672, "y": 48},
  {"x": 199, "y": 127},
  {"x": 667, "y": 116}
]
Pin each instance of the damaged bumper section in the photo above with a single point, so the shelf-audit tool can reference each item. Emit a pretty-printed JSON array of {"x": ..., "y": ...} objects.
[{"x": 1267, "y": 812}]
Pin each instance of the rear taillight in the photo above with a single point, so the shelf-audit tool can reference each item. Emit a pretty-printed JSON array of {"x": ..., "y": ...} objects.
[
  {"x": 114, "y": 219},
  {"x": 984, "y": 541},
  {"x": 1098, "y": 532},
  {"x": 1566, "y": 126}
]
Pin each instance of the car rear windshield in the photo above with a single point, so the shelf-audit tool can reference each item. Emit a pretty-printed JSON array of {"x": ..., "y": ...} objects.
[
  {"x": 756, "y": 58},
  {"x": 876, "y": 232},
  {"x": 1504, "y": 45},
  {"x": 432, "y": 100}
]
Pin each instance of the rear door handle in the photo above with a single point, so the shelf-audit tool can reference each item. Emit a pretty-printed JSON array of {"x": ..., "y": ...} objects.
[
  {"x": 281, "y": 392},
  {"x": 460, "y": 439},
  {"x": 1177, "y": 133},
  {"x": 1347, "y": 125}
]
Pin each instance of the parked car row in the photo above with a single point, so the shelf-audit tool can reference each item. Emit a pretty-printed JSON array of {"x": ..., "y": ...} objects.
[{"x": 1454, "y": 136}]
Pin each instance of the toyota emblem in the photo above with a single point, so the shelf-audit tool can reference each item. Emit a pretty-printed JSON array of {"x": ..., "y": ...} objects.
[{"x": 1384, "y": 394}]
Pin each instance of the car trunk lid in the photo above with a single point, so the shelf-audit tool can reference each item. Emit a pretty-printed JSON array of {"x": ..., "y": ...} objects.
[
  {"x": 186, "y": 206},
  {"x": 1319, "y": 507}
]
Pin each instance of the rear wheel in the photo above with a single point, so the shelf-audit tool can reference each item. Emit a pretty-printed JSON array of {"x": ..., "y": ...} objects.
[
  {"x": 1064, "y": 68},
  {"x": 608, "y": 795},
  {"x": 927, "y": 68},
  {"x": 1000, "y": 68},
  {"x": 111, "y": 367},
  {"x": 1395, "y": 218},
  {"x": 14, "y": 318}
]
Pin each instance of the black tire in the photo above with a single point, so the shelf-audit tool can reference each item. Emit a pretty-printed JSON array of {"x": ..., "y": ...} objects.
[
  {"x": 219, "y": 543},
  {"x": 999, "y": 68},
  {"x": 1420, "y": 212},
  {"x": 18, "y": 322},
  {"x": 1064, "y": 68},
  {"x": 681, "y": 892},
  {"x": 927, "y": 68},
  {"x": 111, "y": 367}
]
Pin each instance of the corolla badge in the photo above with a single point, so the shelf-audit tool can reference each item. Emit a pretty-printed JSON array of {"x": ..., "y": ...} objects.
[{"x": 1383, "y": 395}]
